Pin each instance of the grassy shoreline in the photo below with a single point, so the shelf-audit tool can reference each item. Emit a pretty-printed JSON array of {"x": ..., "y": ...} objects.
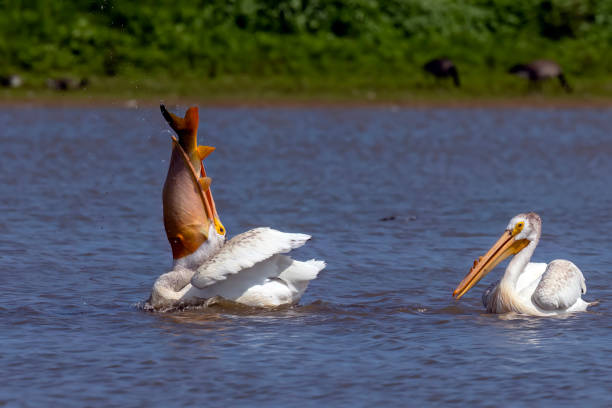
[
  {"x": 346, "y": 52},
  {"x": 494, "y": 91}
]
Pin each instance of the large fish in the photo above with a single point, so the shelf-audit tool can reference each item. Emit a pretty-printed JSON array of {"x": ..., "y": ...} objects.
[{"x": 189, "y": 209}]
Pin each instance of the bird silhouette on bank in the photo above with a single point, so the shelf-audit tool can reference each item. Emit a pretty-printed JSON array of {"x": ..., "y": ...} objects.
[
  {"x": 540, "y": 70},
  {"x": 66, "y": 84},
  {"x": 11, "y": 81},
  {"x": 443, "y": 68}
]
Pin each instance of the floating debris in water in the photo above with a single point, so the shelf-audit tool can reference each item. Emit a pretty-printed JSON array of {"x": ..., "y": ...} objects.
[
  {"x": 393, "y": 217},
  {"x": 389, "y": 218},
  {"x": 131, "y": 104}
]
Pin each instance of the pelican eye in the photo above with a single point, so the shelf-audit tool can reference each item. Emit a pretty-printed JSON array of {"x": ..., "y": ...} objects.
[
  {"x": 518, "y": 227},
  {"x": 219, "y": 227}
]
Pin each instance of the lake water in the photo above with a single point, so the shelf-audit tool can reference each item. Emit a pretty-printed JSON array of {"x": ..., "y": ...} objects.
[{"x": 82, "y": 241}]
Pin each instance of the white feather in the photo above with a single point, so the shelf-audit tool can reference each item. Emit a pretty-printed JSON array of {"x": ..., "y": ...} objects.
[
  {"x": 561, "y": 286},
  {"x": 249, "y": 269},
  {"x": 245, "y": 250},
  {"x": 272, "y": 282}
]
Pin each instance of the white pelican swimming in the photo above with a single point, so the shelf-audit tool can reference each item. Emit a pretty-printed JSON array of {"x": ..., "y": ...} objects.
[
  {"x": 536, "y": 289},
  {"x": 249, "y": 269}
]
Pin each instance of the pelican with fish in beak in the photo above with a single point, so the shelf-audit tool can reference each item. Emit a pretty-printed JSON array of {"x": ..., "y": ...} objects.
[
  {"x": 251, "y": 268},
  {"x": 536, "y": 289}
]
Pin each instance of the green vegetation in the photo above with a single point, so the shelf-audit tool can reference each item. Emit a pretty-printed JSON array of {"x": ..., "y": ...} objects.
[{"x": 333, "y": 48}]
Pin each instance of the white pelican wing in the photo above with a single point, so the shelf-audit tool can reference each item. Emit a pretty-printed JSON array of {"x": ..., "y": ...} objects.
[
  {"x": 561, "y": 286},
  {"x": 243, "y": 251}
]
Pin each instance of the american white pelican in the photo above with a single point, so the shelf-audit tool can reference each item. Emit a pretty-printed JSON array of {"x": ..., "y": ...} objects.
[
  {"x": 249, "y": 269},
  {"x": 536, "y": 289}
]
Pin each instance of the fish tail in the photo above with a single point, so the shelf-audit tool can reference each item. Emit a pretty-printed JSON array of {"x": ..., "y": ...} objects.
[
  {"x": 191, "y": 119},
  {"x": 186, "y": 127}
]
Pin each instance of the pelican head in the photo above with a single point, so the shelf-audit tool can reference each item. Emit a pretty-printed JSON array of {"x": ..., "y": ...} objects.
[
  {"x": 190, "y": 215},
  {"x": 521, "y": 230}
]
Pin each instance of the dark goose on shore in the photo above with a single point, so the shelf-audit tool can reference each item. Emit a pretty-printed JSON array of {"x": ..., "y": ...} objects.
[
  {"x": 443, "y": 68},
  {"x": 539, "y": 70},
  {"x": 66, "y": 84},
  {"x": 11, "y": 81}
]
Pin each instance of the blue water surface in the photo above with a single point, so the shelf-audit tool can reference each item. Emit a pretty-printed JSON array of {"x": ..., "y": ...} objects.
[{"x": 82, "y": 241}]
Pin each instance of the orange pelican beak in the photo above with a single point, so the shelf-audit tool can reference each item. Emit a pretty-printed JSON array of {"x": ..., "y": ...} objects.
[{"x": 505, "y": 246}]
